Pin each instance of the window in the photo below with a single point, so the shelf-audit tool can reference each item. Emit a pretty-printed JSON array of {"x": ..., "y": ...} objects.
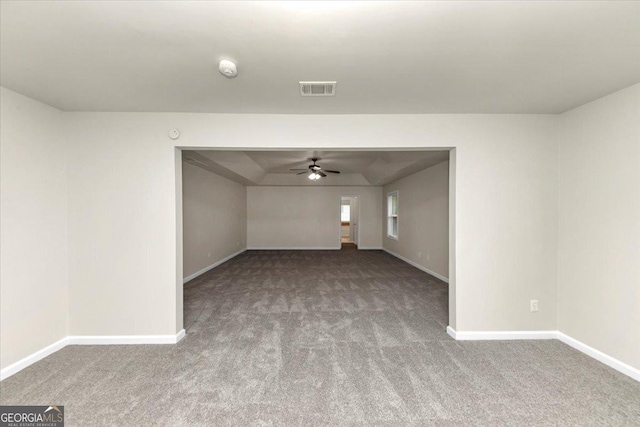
[
  {"x": 392, "y": 215},
  {"x": 345, "y": 213}
]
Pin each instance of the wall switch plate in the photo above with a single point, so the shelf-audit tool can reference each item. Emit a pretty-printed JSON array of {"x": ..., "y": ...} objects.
[
  {"x": 419, "y": 254},
  {"x": 534, "y": 305}
]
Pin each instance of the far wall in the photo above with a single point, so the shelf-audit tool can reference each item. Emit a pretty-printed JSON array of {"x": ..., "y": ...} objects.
[
  {"x": 303, "y": 217},
  {"x": 214, "y": 218},
  {"x": 423, "y": 218}
]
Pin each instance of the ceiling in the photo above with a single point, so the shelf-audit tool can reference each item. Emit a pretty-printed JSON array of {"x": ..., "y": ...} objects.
[
  {"x": 388, "y": 57},
  {"x": 370, "y": 168}
]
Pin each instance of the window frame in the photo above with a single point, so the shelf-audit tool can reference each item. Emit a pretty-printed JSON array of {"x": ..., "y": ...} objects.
[{"x": 391, "y": 216}]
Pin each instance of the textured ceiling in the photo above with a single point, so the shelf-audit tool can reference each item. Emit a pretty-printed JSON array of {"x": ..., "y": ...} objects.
[
  {"x": 273, "y": 167},
  {"x": 388, "y": 57}
]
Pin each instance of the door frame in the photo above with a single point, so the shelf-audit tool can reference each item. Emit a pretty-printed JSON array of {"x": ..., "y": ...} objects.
[{"x": 340, "y": 226}]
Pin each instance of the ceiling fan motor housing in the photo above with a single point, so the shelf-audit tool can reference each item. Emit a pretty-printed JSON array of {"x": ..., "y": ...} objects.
[{"x": 316, "y": 171}]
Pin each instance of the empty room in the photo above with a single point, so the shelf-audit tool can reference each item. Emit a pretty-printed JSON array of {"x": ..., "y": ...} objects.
[{"x": 319, "y": 213}]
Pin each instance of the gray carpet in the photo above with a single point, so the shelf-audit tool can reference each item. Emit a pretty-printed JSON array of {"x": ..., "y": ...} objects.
[{"x": 312, "y": 338}]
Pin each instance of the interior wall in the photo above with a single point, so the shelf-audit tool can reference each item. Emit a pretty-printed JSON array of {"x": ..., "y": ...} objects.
[
  {"x": 122, "y": 191},
  {"x": 599, "y": 223},
  {"x": 214, "y": 218},
  {"x": 123, "y": 211},
  {"x": 304, "y": 217},
  {"x": 122, "y": 207},
  {"x": 33, "y": 226},
  {"x": 423, "y": 218}
]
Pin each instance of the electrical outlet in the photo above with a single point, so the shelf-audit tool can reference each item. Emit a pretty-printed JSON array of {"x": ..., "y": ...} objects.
[
  {"x": 419, "y": 254},
  {"x": 534, "y": 305},
  {"x": 209, "y": 254},
  {"x": 428, "y": 257}
]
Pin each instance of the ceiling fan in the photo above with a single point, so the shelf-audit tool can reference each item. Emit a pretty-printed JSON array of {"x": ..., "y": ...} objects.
[{"x": 314, "y": 170}]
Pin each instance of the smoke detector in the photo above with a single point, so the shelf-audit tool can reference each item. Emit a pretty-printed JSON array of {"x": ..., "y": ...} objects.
[
  {"x": 228, "y": 68},
  {"x": 318, "y": 88}
]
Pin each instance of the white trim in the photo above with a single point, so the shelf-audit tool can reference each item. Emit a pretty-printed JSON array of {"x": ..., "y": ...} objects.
[
  {"x": 320, "y": 248},
  {"x": 600, "y": 356},
  {"x": 357, "y": 243},
  {"x": 396, "y": 216},
  {"x": 501, "y": 335},
  {"x": 212, "y": 266},
  {"x": 88, "y": 340},
  {"x": 452, "y": 332},
  {"x": 461, "y": 336},
  {"x": 370, "y": 248},
  {"x": 416, "y": 265},
  {"x": 611, "y": 362},
  {"x": 32, "y": 358},
  {"x": 125, "y": 339}
]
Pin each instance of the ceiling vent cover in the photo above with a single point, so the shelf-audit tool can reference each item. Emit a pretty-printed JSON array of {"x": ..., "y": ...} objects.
[{"x": 318, "y": 88}]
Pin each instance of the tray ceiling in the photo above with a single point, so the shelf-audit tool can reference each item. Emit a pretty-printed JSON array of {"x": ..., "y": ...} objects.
[{"x": 371, "y": 168}]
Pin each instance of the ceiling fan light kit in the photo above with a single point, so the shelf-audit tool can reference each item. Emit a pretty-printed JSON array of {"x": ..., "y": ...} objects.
[{"x": 315, "y": 171}]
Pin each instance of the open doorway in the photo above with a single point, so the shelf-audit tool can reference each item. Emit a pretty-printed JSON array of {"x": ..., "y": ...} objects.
[
  {"x": 349, "y": 222},
  {"x": 275, "y": 208}
]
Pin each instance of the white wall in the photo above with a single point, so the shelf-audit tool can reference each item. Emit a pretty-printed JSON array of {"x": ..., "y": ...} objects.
[
  {"x": 123, "y": 215},
  {"x": 33, "y": 226},
  {"x": 599, "y": 225},
  {"x": 304, "y": 217},
  {"x": 122, "y": 207},
  {"x": 214, "y": 218},
  {"x": 123, "y": 231},
  {"x": 423, "y": 218}
]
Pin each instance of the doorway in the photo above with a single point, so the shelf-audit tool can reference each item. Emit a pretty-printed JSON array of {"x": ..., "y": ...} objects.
[
  {"x": 361, "y": 245},
  {"x": 349, "y": 221}
]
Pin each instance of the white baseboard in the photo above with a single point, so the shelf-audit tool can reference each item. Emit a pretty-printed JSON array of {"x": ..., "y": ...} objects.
[
  {"x": 501, "y": 335},
  {"x": 366, "y": 248},
  {"x": 612, "y": 362},
  {"x": 124, "y": 339},
  {"x": 452, "y": 332},
  {"x": 418, "y": 266},
  {"x": 212, "y": 266},
  {"x": 32, "y": 358},
  {"x": 88, "y": 340},
  {"x": 600, "y": 356},
  {"x": 286, "y": 248}
]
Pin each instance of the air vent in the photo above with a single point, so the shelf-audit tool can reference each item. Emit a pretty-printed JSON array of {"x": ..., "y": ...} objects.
[{"x": 318, "y": 88}]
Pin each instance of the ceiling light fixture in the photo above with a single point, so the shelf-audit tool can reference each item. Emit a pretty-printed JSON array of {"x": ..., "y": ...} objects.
[
  {"x": 228, "y": 68},
  {"x": 314, "y": 176}
]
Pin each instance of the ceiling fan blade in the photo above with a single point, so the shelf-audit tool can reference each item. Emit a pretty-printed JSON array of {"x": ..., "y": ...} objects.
[
  {"x": 321, "y": 174},
  {"x": 326, "y": 170},
  {"x": 300, "y": 173},
  {"x": 298, "y": 169}
]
